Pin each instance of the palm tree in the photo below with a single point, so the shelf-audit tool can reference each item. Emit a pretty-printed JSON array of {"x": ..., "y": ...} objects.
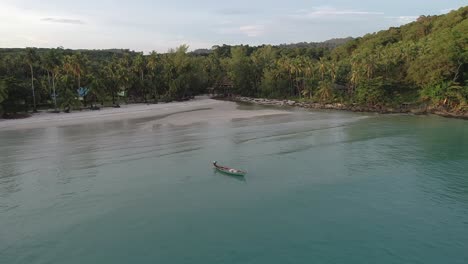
[
  {"x": 3, "y": 91},
  {"x": 124, "y": 66},
  {"x": 325, "y": 92},
  {"x": 370, "y": 66},
  {"x": 55, "y": 74},
  {"x": 31, "y": 59},
  {"x": 75, "y": 65},
  {"x": 333, "y": 71},
  {"x": 355, "y": 77},
  {"x": 52, "y": 64},
  {"x": 8, "y": 62},
  {"x": 152, "y": 65},
  {"x": 322, "y": 68},
  {"x": 140, "y": 65},
  {"x": 287, "y": 65},
  {"x": 110, "y": 73},
  {"x": 97, "y": 87},
  {"x": 297, "y": 67},
  {"x": 68, "y": 96},
  {"x": 309, "y": 76}
]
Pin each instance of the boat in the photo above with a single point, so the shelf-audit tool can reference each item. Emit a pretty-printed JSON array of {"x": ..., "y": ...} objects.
[{"x": 228, "y": 170}]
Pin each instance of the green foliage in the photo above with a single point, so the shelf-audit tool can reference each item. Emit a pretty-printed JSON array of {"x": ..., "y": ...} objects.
[
  {"x": 179, "y": 72},
  {"x": 30, "y": 56},
  {"x": 97, "y": 89},
  {"x": 325, "y": 93},
  {"x": 14, "y": 93},
  {"x": 240, "y": 71},
  {"x": 3, "y": 91},
  {"x": 68, "y": 100},
  {"x": 371, "y": 92},
  {"x": 273, "y": 87},
  {"x": 448, "y": 94},
  {"x": 423, "y": 61}
]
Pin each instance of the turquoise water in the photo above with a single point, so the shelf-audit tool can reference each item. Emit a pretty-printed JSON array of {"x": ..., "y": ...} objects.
[{"x": 323, "y": 187}]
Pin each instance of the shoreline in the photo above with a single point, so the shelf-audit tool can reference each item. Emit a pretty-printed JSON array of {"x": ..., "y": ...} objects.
[
  {"x": 177, "y": 113},
  {"x": 344, "y": 107},
  {"x": 203, "y": 109}
]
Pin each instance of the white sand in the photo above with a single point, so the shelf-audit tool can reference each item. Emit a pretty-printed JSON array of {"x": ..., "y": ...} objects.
[{"x": 203, "y": 109}]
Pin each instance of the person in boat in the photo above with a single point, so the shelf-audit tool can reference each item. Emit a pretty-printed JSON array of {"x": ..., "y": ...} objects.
[{"x": 215, "y": 163}]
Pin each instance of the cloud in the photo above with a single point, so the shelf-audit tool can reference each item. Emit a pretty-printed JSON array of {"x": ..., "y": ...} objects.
[
  {"x": 403, "y": 19},
  {"x": 235, "y": 11},
  {"x": 447, "y": 10},
  {"x": 225, "y": 22},
  {"x": 63, "y": 20},
  {"x": 252, "y": 30},
  {"x": 326, "y": 11}
]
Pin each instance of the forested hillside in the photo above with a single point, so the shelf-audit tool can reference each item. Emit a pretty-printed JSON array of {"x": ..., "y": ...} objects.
[
  {"x": 421, "y": 63},
  {"x": 425, "y": 61}
]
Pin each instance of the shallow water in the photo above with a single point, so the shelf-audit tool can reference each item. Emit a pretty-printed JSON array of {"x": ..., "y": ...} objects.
[{"x": 323, "y": 187}]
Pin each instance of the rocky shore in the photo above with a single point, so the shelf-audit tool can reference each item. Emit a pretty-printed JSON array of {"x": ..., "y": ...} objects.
[{"x": 404, "y": 109}]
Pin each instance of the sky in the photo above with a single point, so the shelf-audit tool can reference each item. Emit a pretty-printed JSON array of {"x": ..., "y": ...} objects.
[{"x": 144, "y": 25}]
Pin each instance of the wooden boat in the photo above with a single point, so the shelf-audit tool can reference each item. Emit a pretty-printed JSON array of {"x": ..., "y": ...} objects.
[{"x": 228, "y": 170}]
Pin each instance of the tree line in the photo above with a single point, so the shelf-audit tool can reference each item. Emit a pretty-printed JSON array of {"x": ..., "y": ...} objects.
[
  {"x": 67, "y": 79},
  {"x": 424, "y": 62}
]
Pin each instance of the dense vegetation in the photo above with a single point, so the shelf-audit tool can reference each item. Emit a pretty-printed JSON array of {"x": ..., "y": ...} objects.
[{"x": 424, "y": 62}]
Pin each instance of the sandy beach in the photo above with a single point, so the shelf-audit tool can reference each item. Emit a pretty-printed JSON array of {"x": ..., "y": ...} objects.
[{"x": 202, "y": 109}]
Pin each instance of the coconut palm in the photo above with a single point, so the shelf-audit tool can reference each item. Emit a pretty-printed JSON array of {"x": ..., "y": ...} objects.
[
  {"x": 52, "y": 64},
  {"x": 3, "y": 91},
  {"x": 309, "y": 76},
  {"x": 76, "y": 65},
  {"x": 370, "y": 66},
  {"x": 152, "y": 65},
  {"x": 110, "y": 73},
  {"x": 333, "y": 71},
  {"x": 124, "y": 74},
  {"x": 31, "y": 58},
  {"x": 325, "y": 91},
  {"x": 140, "y": 65},
  {"x": 322, "y": 68}
]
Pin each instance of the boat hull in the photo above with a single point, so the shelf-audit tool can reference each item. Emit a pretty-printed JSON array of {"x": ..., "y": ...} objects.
[{"x": 231, "y": 173}]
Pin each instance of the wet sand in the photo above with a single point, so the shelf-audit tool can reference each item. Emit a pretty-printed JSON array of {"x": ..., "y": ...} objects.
[{"x": 201, "y": 109}]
